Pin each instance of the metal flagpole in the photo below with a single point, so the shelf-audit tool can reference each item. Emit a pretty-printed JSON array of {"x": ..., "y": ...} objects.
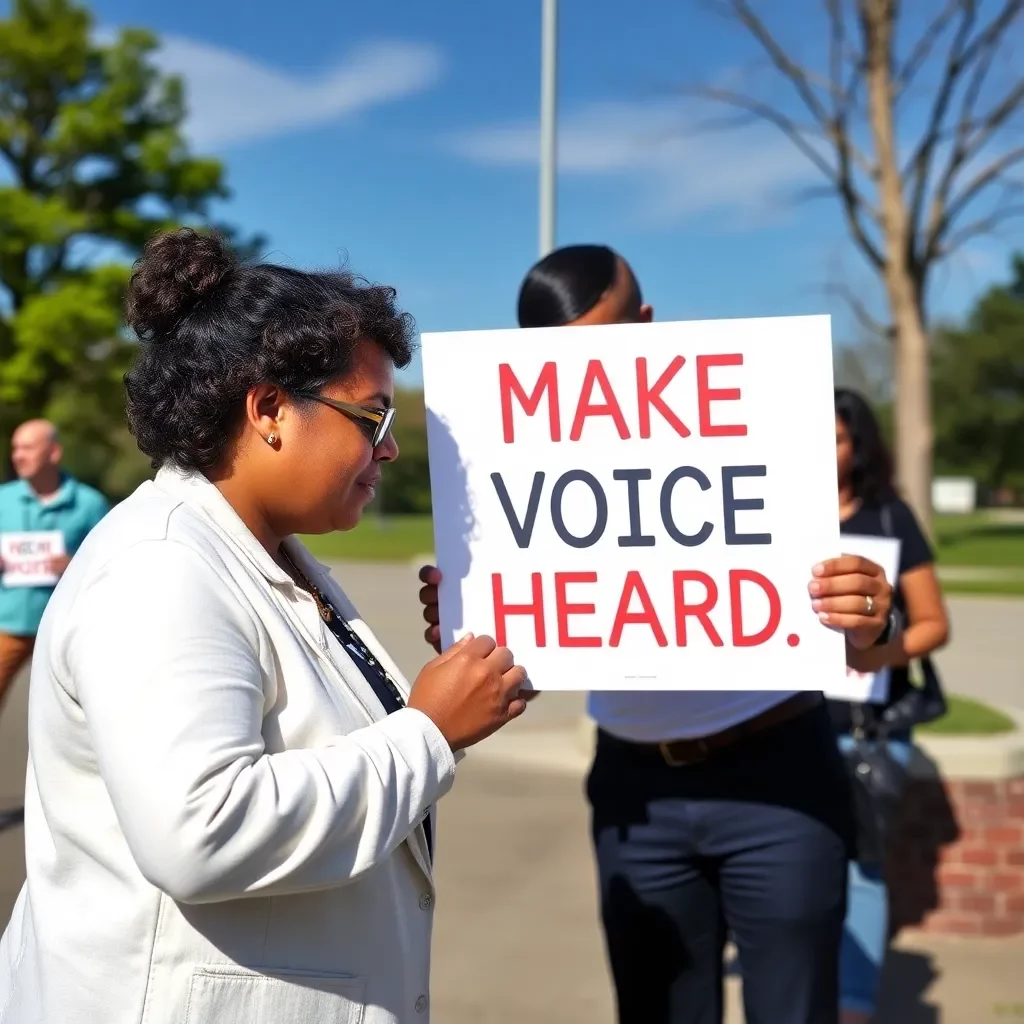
[{"x": 548, "y": 123}]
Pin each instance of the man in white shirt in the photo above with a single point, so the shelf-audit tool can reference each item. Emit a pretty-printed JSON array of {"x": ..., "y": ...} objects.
[{"x": 712, "y": 812}]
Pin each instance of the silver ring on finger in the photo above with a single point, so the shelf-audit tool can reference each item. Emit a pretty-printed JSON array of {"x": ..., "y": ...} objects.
[{"x": 870, "y": 605}]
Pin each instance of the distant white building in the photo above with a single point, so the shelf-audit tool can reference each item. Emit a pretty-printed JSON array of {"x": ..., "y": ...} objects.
[{"x": 954, "y": 495}]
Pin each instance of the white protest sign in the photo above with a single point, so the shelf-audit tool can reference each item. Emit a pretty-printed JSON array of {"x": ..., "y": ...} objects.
[
  {"x": 638, "y": 506},
  {"x": 868, "y": 687},
  {"x": 26, "y": 558}
]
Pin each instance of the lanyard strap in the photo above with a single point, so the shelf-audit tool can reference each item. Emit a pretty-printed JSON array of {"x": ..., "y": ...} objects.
[
  {"x": 376, "y": 675},
  {"x": 373, "y": 671}
]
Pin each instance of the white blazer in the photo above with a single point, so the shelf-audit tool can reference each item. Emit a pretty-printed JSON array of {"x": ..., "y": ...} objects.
[{"x": 221, "y": 824}]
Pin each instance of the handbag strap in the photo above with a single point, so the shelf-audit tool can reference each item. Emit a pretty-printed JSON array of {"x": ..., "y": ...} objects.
[
  {"x": 932, "y": 685},
  {"x": 885, "y": 513},
  {"x": 868, "y": 725}
]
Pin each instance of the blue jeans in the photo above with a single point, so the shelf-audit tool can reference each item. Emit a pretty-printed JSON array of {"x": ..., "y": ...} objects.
[{"x": 865, "y": 930}]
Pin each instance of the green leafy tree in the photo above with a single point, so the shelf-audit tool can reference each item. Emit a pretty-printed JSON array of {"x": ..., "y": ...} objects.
[
  {"x": 978, "y": 384},
  {"x": 92, "y": 162}
]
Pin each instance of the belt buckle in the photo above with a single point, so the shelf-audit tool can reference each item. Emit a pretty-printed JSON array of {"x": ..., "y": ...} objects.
[{"x": 672, "y": 761}]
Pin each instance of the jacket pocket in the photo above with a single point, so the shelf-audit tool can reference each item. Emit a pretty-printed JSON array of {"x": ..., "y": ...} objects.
[{"x": 226, "y": 994}]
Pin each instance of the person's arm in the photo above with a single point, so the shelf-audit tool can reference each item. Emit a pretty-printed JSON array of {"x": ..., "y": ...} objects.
[
  {"x": 168, "y": 668},
  {"x": 926, "y": 625},
  {"x": 926, "y": 629}
]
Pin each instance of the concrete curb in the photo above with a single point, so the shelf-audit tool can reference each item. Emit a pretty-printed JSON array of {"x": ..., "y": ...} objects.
[{"x": 971, "y": 758}]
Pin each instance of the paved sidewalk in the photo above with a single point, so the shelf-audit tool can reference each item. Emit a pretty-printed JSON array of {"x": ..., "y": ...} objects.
[{"x": 980, "y": 573}]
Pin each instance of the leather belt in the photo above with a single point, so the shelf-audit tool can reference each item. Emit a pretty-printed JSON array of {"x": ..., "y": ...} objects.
[{"x": 678, "y": 753}]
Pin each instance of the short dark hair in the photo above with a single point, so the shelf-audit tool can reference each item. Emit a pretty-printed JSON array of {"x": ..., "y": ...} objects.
[
  {"x": 872, "y": 474},
  {"x": 566, "y": 284},
  {"x": 210, "y": 328}
]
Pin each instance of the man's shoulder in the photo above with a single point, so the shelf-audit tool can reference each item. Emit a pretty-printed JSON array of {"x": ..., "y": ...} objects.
[{"x": 89, "y": 498}]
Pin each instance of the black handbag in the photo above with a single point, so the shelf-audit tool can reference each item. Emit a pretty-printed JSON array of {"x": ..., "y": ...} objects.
[
  {"x": 877, "y": 781},
  {"x": 920, "y": 704}
]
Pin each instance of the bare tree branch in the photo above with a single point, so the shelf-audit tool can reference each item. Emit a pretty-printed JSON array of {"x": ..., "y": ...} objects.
[
  {"x": 996, "y": 28},
  {"x": 996, "y": 118},
  {"x": 766, "y": 112},
  {"x": 833, "y": 126},
  {"x": 973, "y": 90},
  {"x": 837, "y": 46},
  {"x": 860, "y": 310},
  {"x": 814, "y": 192},
  {"x": 802, "y": 79},
  {"x": 843, "y": 96},
  {"x": 943, "y": 214},
  {"x": 797, "y": 75},
  {"x": 983, "y": 226},
  {"x": 841, "y": 176},
  {"x": 971, "y": 138},
  {"x": 904, "y": 77},
  {"x": 920, "y": 163}
]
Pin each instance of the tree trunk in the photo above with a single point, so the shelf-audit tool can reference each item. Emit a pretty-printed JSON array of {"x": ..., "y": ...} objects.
[
  {"x": 914, "y": 434},
  {"x": 913, "y": 380}
]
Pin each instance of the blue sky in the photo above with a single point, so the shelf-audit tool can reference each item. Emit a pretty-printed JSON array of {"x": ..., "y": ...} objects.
[{"x": 403, "y": 134}]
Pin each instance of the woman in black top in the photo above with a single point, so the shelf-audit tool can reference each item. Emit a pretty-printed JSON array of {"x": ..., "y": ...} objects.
[{"x": 869, "y": 505}]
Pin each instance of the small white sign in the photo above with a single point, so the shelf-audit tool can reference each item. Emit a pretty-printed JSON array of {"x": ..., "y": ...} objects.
[
  {"x": 638, "y": 506},
  {"x": 26, "y": 558},
  {"x": 869, "y": 687}
]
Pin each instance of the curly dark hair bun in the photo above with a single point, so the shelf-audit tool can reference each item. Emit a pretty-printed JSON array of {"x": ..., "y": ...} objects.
[
  {"x": 176, "y": 271},
  {"x": 211, "y": 328}
]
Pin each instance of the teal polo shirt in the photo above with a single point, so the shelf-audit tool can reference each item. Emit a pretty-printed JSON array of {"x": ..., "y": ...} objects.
[{"x": 74, "y": 511}]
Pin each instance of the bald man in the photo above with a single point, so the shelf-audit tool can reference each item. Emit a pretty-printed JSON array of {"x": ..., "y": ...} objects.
[{"x": 43, "y": 508}]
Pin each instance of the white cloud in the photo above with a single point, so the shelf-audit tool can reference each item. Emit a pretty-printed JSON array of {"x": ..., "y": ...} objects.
[
  {"x": 234, "y": 99},
  {"x": 677, "y": 170}
]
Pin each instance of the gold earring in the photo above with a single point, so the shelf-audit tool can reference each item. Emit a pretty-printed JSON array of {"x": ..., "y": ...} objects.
[{"x": 272, "y": 438}]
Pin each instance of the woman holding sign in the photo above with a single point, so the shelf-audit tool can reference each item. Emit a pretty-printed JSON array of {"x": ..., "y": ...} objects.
[
  {"x": 869, "y": 507},
  {"x": 229, "y": 810},
  {"x": 712, "y": 811}
]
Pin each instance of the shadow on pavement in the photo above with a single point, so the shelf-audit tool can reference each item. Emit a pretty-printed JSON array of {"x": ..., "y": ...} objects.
[
  {"x": 905, "y": 984},
  {"x": 927, "y": 824}
]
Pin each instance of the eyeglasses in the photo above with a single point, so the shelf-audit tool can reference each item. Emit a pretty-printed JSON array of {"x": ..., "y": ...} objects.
[{"x": 375, "y": 422}]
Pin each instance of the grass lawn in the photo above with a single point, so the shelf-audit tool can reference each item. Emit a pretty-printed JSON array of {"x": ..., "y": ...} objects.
[
  {"x": 979, "y": 540},
  {"x": 969, "y": 718},
  {"x": 989, "y": 588},
  {"x": 397, "y": 539}
]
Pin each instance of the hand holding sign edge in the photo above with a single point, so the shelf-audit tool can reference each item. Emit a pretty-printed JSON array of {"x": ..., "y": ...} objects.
[
  {"x": 430, "y": 576},
  {"x": 851, "y": 593}
]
